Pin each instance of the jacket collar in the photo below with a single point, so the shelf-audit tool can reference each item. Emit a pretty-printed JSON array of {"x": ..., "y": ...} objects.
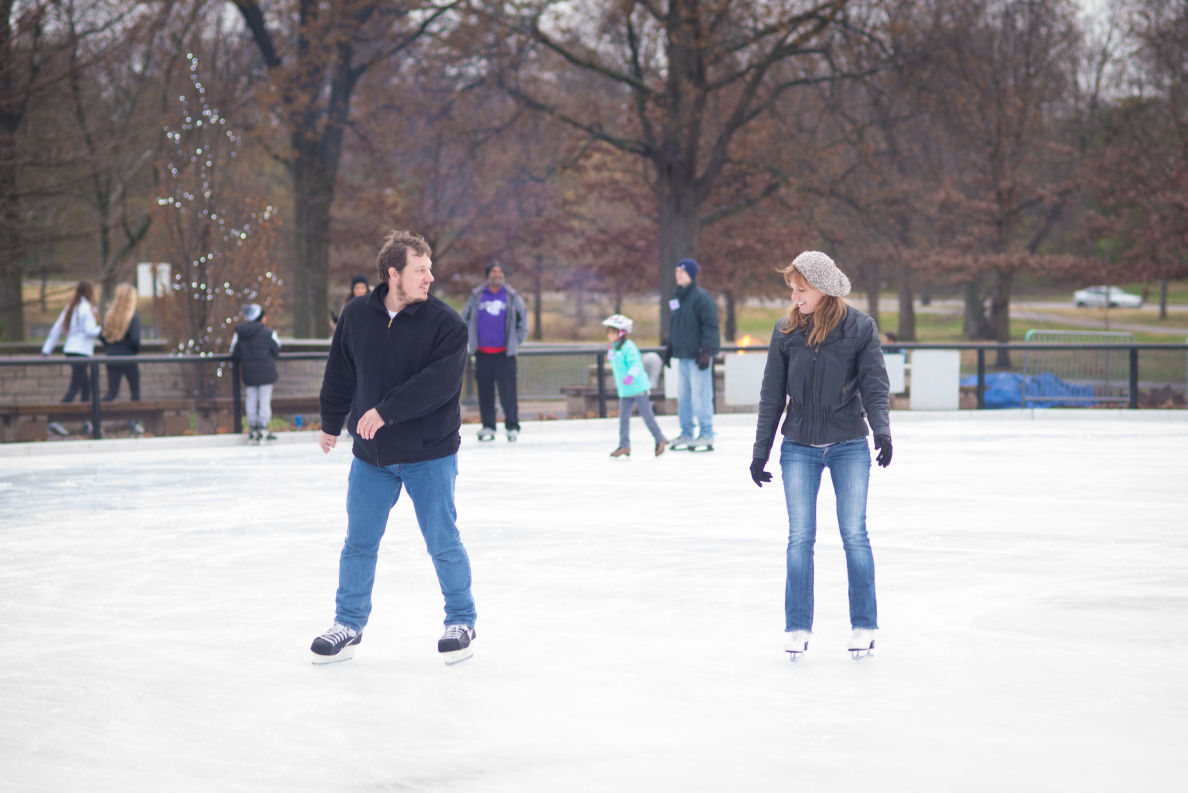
[{"x": 380, "y": 293}]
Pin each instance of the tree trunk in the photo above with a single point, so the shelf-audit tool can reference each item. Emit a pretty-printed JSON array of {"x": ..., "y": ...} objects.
[
  {"x": 907, "y": 309},
  {"x": 12, "y": 316},
  {"x": 731, "y": 316},
  {"x": 975, "y": 326},
  {"x": 1000, "y": 315},
  {"x": 538, "y": 299},
  {"x": 680, "y": 227},
  {"x": 313, "y": 193}
]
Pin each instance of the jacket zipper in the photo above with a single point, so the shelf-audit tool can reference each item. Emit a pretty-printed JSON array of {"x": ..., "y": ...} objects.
[{"x": 815, "y": 395}]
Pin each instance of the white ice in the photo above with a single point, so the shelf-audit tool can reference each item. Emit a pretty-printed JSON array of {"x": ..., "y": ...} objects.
[{"x": 158, "y": 598}]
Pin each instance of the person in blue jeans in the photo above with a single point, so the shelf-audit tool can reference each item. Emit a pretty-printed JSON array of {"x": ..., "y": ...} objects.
[
  {"x": 395, "y": 368},
  {"x": 825, "y": 374},
  {"x": 693, "y": 340}
]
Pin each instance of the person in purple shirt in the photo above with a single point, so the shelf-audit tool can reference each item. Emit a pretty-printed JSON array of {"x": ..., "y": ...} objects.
[{"x": 498, "y": 323}]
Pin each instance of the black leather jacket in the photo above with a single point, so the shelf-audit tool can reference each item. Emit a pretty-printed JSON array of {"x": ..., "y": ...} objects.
[{"x": 829, "y": 392}]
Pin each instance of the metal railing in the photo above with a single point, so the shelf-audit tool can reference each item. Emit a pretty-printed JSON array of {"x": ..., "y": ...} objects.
[{"x": 543, "y": 372}]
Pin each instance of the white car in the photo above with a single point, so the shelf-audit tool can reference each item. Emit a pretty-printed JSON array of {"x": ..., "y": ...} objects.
[{"x": 1096, "y": 296}]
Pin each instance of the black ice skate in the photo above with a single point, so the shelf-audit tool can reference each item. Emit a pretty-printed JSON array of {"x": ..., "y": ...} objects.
[
  {"x": 336, "y": 644},
  {"x": 454, "y": 644}
]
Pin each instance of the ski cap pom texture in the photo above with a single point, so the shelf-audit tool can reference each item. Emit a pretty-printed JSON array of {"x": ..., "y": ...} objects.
[
  {"x": 690, "y": 266},
  {"x": 252, "y": 312},
  {"x": 619, "y": 322},
  {"x": 821, "y": 273}
]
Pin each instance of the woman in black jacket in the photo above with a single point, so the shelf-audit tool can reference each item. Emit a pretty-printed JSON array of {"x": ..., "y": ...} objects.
[
  {"x": 825, "y": 373},
  {"x": 121, "y": 336}
]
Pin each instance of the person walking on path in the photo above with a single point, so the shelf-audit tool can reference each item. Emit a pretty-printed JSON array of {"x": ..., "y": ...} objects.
[
  {"x": 632, "y": 384},
  {"x": 121, "y": 337},
  {"x": 256, "y": 346},
  {"x": 497, "y": 324},
  {"x": 825, "y": 374},
  {"x": 79, "y": 321},
  {"x": 693, "y": 340},
  {"x": 395, "y": 367}
]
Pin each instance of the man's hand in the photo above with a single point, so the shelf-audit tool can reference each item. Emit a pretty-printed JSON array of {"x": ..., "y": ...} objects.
[
  {"x": 369, "y": 424},
  {"x": 703, "y": 358},
  {"x": 327, "y": 441},
  {"x": 666, "y": 356}
]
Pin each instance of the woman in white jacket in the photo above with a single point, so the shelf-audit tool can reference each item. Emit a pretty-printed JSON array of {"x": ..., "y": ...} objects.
[{"x": 80, "y": 322}]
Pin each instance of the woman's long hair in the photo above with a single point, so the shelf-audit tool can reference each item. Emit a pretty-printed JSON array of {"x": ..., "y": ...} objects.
[
  {"x": 119, "y": 315},
  {"x": 817, "y": 325},
  {"x": 83, "y": 289}
]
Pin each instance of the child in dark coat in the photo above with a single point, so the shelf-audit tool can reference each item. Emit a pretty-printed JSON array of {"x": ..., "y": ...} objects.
[{"x": 256, "y": 347}]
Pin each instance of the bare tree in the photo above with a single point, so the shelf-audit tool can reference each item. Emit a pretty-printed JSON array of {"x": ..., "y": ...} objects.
[
  {"x": 685, "y": 78},
  {"x": 314, "y": 54}
]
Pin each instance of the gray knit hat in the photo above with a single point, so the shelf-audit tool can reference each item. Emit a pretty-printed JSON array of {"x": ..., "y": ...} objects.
[{"x": 821, "y": 273}]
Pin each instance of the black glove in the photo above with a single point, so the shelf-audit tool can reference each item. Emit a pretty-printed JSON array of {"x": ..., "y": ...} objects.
[
  {"x": 757, "y": 473},
  {"x": 667, "y": 354},
  {"x": 883, "y": 444},
  {"x": 703, "y": 358}
]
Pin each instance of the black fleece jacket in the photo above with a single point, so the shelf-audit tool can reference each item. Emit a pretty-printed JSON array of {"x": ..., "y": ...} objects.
[
  {"x": 409, "y": 368},
  {"x": 830, "y": 391}
]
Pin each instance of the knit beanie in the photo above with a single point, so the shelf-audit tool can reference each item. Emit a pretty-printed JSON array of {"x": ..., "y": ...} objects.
[
  {"x": 690, "y": 267},
  {"x": 360, "y": 279},
  {"x": 492, "y": 265},
  {"x": 821, "y": 273}
]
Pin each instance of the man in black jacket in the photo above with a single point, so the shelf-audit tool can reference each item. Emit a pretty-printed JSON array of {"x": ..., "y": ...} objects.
[{"x": 396, "y": 364}]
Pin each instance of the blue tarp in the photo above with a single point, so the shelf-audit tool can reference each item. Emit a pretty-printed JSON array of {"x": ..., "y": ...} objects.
[{"x": 1005, "y": 390}]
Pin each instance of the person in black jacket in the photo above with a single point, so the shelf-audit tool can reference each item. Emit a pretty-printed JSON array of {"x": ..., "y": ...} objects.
[
  {"x": 826, "y": 375},
  {"x": 121, "y": 336},
  {"x": 693, "y": 339},
  {"x": 256, "y": 346},
  {"x": 395, "y": 367}
]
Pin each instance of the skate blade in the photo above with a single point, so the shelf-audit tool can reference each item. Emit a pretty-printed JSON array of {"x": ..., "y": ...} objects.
[
  {"x": 858, "y": 655},
  {"x": 794, "y": 655},
  {"x": 457, "y": 656},
  {"x": 345, "y": 654}
]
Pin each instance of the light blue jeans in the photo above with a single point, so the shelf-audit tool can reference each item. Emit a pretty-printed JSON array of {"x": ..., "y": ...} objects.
[
  {"x": 695, "y": 399},
  {"x": 849, "y": 468},
  {"x": 371, "y": 493}
]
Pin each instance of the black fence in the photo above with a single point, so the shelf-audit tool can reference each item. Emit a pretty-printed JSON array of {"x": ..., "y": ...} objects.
[{"x": 210, "y": 386}]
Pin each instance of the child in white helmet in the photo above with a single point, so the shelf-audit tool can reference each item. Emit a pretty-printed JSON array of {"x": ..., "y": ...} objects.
[{"x": 632, "y": 384}]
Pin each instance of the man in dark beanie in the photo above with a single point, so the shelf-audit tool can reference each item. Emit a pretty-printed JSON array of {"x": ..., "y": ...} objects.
[
  {"x": 693, "y": 340},
  {"x": 498, "y": 323}
]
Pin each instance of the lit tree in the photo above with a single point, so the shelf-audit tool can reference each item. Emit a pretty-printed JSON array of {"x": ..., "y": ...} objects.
[{"x": 220, "y": 240}]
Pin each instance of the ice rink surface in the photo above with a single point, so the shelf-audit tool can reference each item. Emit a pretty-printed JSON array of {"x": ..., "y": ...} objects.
[{"x": 158, "y": 598}]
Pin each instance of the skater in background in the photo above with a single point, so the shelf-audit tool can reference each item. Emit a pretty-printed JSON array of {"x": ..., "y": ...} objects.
[
  {"x": 825, "y": 374},
  {"x": 359, "y": 288},
  {"x": 497, "y": 324},
  {"x": 631, "y": 383},
  {"x": 121, "y": 337},
  {"x": 693, "y": 340},
  {"x": 79, "y": 321},
  {"x": 395, "y": 366},
  {"x": 256, "y": 347}
]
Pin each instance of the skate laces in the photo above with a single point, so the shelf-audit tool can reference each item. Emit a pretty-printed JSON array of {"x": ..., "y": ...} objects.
[
  {"x": 455, "y": 632},
  {"x": 337, "y": 632}
]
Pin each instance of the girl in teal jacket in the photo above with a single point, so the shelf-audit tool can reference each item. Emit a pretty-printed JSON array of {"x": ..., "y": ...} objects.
[{"x": 631, "y": 383}]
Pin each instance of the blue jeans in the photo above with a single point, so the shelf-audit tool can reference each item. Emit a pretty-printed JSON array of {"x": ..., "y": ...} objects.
[
  {"x": 849, "y": 468},
  {"x": 371, "y": 493},
  {"x": 695, "y": 398}
]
